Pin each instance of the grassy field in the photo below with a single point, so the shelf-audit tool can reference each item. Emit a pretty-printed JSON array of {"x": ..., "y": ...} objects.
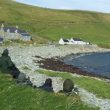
[
  {"x": 98, "y": 87},
  {"x": 49, "y": 25},
  {"x": 16, "y": 97}
]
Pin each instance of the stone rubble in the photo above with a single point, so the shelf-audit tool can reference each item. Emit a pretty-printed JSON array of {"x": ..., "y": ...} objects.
[
  {"x": 24, "y": 56},
  {"x": 91, "y": 99},
  {"x": 39, "y": 79},
  {"x": 57, "y": 82}
]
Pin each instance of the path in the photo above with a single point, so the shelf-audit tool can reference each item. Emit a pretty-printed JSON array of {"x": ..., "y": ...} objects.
[{"x": 57, "y": 82}]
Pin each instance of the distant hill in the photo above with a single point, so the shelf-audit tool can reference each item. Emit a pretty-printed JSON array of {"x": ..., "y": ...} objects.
[{"x": 50, "y": 25}]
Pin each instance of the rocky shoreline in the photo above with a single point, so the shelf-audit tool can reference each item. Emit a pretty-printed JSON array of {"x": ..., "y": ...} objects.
[
  {"x": 30, "y": 58},
  {"x": 24, "y": 56},
  {"x": 56, "y": 64}
]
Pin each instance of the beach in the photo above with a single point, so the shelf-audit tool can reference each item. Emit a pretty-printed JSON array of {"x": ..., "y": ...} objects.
[{"x": 24, "y": 56}]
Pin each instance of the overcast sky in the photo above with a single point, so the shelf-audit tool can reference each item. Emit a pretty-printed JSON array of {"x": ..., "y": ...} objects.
[{"x": 92, "y": 5}]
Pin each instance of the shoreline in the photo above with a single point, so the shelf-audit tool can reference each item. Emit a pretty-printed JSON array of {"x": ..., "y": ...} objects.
[
  {"x": 56, "y": 64},
  {"x": 24, "y": 56}
]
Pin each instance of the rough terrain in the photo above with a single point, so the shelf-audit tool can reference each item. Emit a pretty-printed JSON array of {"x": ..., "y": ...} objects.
[
  {"x": 57, "y": 82},
  {"x": 24, "y": 56}
]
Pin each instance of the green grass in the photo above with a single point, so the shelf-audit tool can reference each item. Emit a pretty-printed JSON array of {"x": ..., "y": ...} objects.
[
  {"x": 49, "y": 25},
  {"x": 16, "y": 97},
  {"x": 26, "y": 68},
  {"x": 98, "y": 87}
]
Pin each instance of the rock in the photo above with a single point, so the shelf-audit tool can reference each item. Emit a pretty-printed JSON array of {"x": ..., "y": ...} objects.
[
  {"x": 47, "y": 85},
  {"x": 21, "y": 78},
  {"x": 29, "y": 81},
  {"x": 75, "y": 90},
  {"x": 15, "y": 71},
  {"x": 7, "y": 66},
  {"x": 68, "y": 85}
]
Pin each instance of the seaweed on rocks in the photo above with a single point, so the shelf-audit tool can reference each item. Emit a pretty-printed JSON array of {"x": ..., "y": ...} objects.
[{"x": 56, "y": 64}]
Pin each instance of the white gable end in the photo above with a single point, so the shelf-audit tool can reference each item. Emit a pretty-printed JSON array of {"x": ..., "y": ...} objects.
[{"x": 61, "y": 41}]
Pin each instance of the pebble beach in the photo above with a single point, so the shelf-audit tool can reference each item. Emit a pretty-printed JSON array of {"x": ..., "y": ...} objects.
[
  {"x": 25, "y": 55},
  {"x": 24, "y": 58}
]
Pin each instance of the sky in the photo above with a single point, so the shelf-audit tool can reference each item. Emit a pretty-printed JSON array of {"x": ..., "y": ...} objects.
[{"x": 91, "y": 5}]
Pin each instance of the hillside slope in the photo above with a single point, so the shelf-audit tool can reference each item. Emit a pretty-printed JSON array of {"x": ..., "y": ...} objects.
[
  {"x": 46, "y": 24},
  {"x": 16, "y": 97}
]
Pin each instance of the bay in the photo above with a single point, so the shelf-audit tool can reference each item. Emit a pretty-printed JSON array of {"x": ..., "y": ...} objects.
[{"x": 97, "y": 63}]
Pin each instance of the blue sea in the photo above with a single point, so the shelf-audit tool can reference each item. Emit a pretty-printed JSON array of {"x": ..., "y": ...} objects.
[{"x": 97, "y": 63}]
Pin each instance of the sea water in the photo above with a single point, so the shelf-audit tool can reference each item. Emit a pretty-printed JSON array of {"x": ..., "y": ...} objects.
[{"x": 97, "y": 63}]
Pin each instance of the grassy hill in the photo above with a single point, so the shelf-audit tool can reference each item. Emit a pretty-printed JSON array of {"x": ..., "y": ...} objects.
[
  {"x": 16, "y": 97},
  {"x": 50, "y": 25}
]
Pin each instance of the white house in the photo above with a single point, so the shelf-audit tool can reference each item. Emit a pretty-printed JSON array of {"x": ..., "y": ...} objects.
[
  {"x": 63, "y": 41},
  {"x": 77, "y": 41},
  {"x": 72, "y": 41}
]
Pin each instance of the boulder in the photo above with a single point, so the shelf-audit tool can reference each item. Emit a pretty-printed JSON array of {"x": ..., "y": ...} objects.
[
  {"x": 21, "y": 78},
  {"x": 47, "y": 85},
  {"x": 7, "y": 65},
  {"x": 68, "y": 86}
]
